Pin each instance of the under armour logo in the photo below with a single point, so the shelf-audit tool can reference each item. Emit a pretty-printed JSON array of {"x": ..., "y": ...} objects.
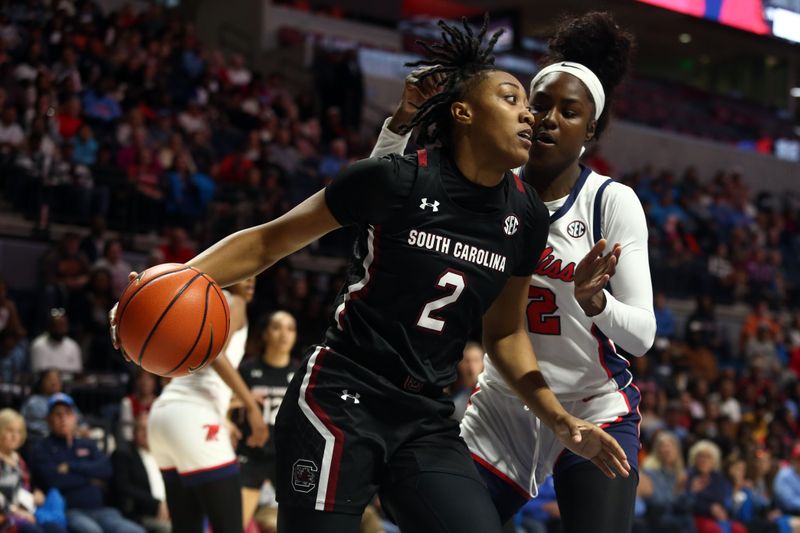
[
  {"x": 434, "y": 205},
  {"x": 347, "y": 396}
]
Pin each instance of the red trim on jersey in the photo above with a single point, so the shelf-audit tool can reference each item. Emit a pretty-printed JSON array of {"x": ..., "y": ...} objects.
[
  {"x": 600, "y": 353},
  {"x": 338, "y": 435},
  {"x": 207, "y": 469},
  {"x": 520, "y": 186},
  {"x": 510, "y": 482},
  {"x": 422, "y": 157},
  {"x": 471, "y": 394},
  {"x": 615, "y": 421}
]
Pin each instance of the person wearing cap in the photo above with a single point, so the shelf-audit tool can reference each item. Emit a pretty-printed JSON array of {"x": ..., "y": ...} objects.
[
  {"x": 787, "y": 485},
  {"x": 75, "y": 466}
]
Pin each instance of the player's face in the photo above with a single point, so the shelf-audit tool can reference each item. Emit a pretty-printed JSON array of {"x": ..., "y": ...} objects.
[
  {"x": 499, "y": 119},
  {"x": 281, "y": 333},
  {"x": 564, "y": 120}
]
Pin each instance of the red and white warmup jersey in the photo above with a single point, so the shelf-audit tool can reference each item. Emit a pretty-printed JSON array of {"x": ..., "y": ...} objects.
[
  {"x": 206, "y": 385},
  {"x": 186, "y": 429},
  {"x": 582, "y": 356}
]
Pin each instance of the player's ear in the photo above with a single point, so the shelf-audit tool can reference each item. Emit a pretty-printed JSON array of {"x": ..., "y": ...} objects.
[
  {"x": 461, "y": 112},
  {"x": 590, "y": 130}
]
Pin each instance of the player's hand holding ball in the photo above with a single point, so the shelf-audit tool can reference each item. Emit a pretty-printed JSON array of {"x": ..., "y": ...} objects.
[{"x": 171, "y": 320}]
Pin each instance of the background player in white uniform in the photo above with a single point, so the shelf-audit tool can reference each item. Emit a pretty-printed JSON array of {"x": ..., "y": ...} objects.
[
  {"x": 191, "y": 442},
  {"x": 577, "y": 326}
]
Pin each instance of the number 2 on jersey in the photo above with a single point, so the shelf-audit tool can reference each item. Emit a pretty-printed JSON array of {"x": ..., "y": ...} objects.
[
  {"x": 449, "y": 279},
  {"x": 542, "y": 302}
]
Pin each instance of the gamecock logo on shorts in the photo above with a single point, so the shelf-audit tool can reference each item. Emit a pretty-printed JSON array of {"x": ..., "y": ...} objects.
[{"x": 304, "y": 475}]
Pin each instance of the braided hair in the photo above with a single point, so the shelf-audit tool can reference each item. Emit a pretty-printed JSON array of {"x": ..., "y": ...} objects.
[
  {"x": 463, "y": 59},
  {"x": 597, "y": 42}
]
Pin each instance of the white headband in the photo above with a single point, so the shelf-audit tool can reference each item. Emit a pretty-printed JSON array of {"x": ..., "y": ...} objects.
[{"x": 589, "y": 79}]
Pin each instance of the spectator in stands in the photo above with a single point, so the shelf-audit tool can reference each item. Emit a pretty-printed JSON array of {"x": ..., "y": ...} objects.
[
  {"x": 93, "y": 244},
  {"x": 11, "y": 134},
  {"x": 188, "y": 192},
  {"x": 760, "y": 315},
  {"x": 92, "y": 306},
  {"x": 64, "y": 271},
  {"x": 176, "y": 249},
  {"x": 787, "y": 485},
  {"x": 20, "y": 498},
  {"x": 69, "y": 119},
  {"x": 703, "y": 328},
  {"x": 709, "y": 491},
  {"x": 145, "y": 390},
  {"x": 34, "y": 410},
  {"x": 469, "y": 368},
  {"x": 55, "y": 349},
  {"x": 115, "y": 264},
  {"x": 102, "y": 107},
  {"x": 9, "y": 316},
  {"x": 665, "y": 320},
  {"x": 729, "y": 405},
  {"x": 13, "y": 357},
  {"x": 84, "y": 147},
  {"x": 75, "y": 467},
  {"x": 137, "y": 482},
  {"x": 668, "y": 507}
]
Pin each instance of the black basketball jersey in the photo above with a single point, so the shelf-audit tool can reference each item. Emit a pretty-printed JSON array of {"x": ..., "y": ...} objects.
[
  {"x": 425, "y": 271},
  {"x": 268, "y": 382}
]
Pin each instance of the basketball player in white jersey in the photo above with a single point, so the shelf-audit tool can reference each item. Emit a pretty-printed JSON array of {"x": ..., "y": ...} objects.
[
  {"x": 190, "y": 440},
  {"x": 579, "y": 322}
]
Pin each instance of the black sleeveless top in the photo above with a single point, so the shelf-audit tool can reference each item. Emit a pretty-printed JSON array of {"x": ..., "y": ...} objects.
[{"x": 425, "y": 267}]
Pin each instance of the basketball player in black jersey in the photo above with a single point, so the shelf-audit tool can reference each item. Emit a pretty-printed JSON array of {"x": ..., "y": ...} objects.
[
  {"x": 268, "y": 377},
  {"x": 446, "y": 237}
]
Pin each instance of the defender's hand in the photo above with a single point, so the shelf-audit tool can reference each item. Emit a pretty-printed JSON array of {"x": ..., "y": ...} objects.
[{"x": 591, "y": 442}]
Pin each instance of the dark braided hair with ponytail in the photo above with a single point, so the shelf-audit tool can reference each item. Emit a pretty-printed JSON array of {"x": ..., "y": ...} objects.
[{"x": 462, "y": 58}]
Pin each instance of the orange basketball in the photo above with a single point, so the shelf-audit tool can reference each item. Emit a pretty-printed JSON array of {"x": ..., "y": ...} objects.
[{"x": 172, "y": 320}]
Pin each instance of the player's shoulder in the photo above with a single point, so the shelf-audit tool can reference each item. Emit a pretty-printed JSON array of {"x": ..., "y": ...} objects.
[
  {"x": 613, "y": 192},
  {"x": 529, "y": 196}
]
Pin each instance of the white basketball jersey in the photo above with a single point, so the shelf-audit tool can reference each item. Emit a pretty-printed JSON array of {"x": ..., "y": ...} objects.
[
  {"x": 206, "y": 385},
  {"x": 576, "y": 358}
]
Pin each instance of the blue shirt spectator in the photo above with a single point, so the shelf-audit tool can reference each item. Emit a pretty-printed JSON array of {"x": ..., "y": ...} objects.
[
  {"x": 665, "y": 320},
  {"x": 84, "y": 147},
  {"x": 74, "y": 466},
  {"x": 787, "y": 485}
]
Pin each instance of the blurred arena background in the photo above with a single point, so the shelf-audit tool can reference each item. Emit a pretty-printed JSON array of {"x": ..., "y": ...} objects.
[{"x": 135, "y": 133}]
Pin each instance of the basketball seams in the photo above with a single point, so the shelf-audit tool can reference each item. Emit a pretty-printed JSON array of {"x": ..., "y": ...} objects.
[
  {"x": 208, "y": 352},
  {"x": 197, "y": 339},
  {"x": 224, "y": 304},
  {"x": 138, "y": 289},
  {"x": 164, "y": 313}
]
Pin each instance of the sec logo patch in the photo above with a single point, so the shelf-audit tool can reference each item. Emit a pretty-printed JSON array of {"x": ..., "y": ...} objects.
[
  {"x": 511, "y": 225},
  {"x": 576, "y": 229}
]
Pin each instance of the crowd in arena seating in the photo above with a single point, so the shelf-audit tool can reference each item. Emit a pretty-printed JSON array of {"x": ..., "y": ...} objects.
[{"x": 127, "y": 121}]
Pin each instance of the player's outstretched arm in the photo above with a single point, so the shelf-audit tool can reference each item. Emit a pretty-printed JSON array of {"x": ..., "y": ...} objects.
[
  {"x": 508, "y": 345},
  {"x": 249, "y": 252}
]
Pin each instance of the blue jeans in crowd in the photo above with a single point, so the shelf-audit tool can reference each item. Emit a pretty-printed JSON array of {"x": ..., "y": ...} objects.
[{"x": 102, "y": 520}]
